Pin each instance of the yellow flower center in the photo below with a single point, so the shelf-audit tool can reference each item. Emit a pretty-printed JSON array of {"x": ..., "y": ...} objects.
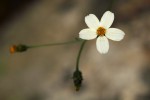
[{"x": 101, "y": 31}]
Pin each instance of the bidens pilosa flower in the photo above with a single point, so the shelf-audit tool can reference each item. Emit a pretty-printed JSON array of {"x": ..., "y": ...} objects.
[{"x": 101, "y": 30}]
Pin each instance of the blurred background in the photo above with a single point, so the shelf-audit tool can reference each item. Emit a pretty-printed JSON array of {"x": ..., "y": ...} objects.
[{"x": 46, "y": 73}]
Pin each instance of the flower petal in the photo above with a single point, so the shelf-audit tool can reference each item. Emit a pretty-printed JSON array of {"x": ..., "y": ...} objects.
[
  {"x": 115, "y": 34},
  {"x": 107, "y": 19},
  {"x": 87, "y": 34},
  {"x": 92, "y": 21},
  {"x": 102, "y": 44}
]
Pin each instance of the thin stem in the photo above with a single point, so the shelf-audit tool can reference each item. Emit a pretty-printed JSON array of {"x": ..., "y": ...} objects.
[
  {"x": 54, "y": 44},
  {"x": 79, "y": 54}
]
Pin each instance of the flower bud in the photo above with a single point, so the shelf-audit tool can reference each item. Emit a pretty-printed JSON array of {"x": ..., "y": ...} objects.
[
  {"x": 77, "y": 79},
  {"x": 18, "y": 48}
]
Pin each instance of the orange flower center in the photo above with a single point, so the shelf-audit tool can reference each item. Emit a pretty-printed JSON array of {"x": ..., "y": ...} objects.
[
  {"x": 12, "y": 49},
  {"x": 101, "y": 31}
]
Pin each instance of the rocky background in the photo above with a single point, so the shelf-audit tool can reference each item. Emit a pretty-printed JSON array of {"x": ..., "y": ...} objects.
[{"x": 46, "y": 73}]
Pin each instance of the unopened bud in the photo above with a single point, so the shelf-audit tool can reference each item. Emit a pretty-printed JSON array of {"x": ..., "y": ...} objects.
[
  {"x": 77, "y": 79},
  {"x": 18, "y": 48}
]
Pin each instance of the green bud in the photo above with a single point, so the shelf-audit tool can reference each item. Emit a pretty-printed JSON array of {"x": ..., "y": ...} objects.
[
  {"x": 18, "y": 48},
  {"x": 77, "y": 79}
]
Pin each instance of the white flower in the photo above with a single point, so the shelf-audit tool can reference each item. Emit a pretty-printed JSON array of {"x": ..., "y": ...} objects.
[{"x": 101, "y": 30}]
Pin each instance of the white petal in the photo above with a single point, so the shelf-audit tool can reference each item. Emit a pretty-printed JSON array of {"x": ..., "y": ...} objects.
[
  {"x": 102, "y": 44},
  {"x": 87, "y": 34},
  {"x": 115, "y": 34},
  {"x": 107, "y": 19},
  {"x": 92, "y": 21}
]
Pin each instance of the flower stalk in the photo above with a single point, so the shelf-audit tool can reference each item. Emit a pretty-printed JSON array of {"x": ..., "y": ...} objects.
[
  {"x": 79, "y": 54},
  {"x": 55, "y": 44},
  {"x": 77, "y": 75},
  {"x": 23, "y": 48}
]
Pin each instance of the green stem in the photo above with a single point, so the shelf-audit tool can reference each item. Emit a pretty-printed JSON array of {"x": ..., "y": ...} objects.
[
  {"x": 79, "y": 54},
  {"x": 54, "y": 44}
]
